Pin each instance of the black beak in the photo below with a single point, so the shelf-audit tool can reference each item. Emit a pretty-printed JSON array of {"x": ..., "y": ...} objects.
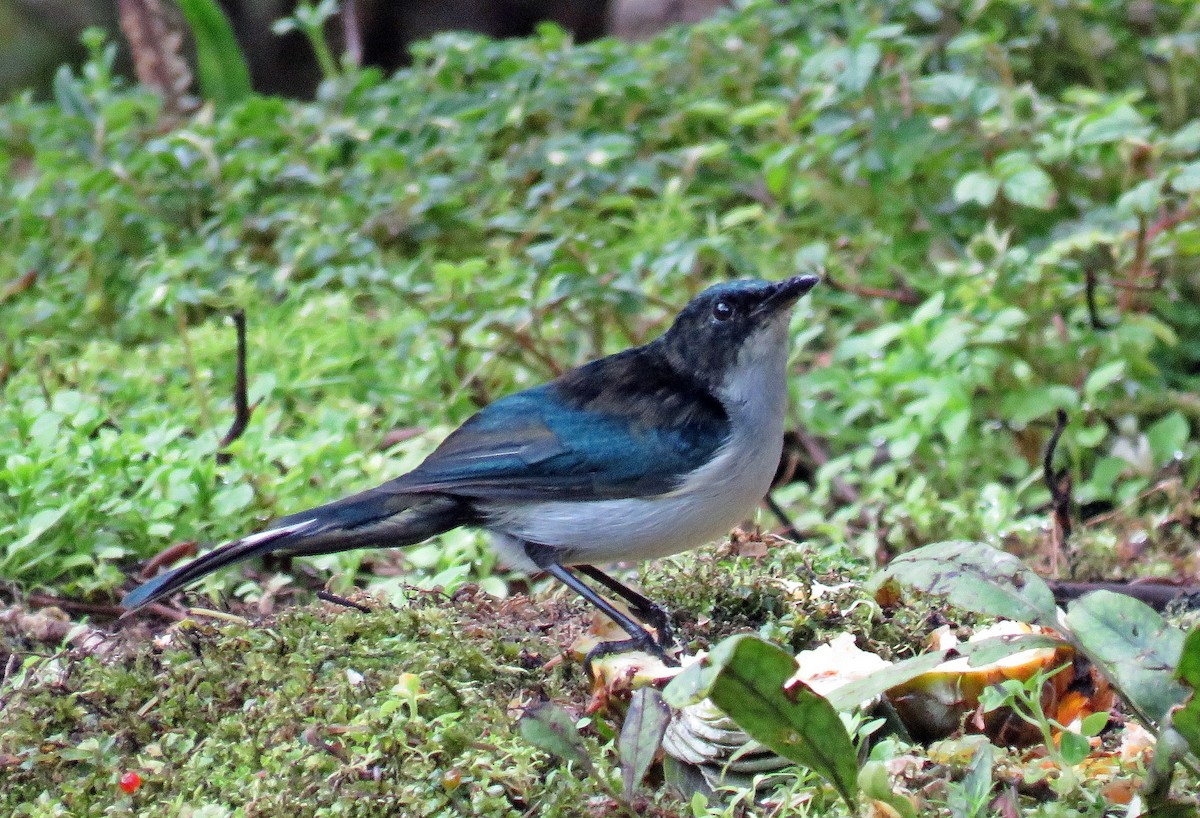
[{"x": 787, "y": 292}]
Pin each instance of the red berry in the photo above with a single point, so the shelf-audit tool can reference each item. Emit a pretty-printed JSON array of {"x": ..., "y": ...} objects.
[{"x": 129, "y": 782}]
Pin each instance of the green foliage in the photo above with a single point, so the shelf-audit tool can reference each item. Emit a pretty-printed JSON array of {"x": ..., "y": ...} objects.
[
  {"x": 1128, "y": 641},
  {"x": 310, "y": 20},
  {"x": 224, "y": 75},
  {"x": 409, "y": 248},
  {"x": 1024, "y": 699}
]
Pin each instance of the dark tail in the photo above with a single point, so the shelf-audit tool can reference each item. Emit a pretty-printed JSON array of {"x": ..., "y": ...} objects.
[{"x": 375, "y": 518}]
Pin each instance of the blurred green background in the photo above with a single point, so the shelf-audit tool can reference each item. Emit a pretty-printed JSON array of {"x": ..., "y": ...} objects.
[{"x": 36, "y": 36}]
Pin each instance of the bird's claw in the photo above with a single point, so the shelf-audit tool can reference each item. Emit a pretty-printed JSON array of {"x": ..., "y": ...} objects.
[{"x": 646, "y": 644}]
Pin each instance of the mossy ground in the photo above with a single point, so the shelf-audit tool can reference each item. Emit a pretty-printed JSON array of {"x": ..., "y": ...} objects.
[{"x": 321, "y": 709}]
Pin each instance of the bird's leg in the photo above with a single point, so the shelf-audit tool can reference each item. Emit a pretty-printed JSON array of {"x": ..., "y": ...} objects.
[
  {"x": 640, "y": 638},
  {"x": 650, "y": 611}
]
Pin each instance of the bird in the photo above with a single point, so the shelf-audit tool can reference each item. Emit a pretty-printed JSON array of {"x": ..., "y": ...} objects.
[{"x": 639, "y": 455}]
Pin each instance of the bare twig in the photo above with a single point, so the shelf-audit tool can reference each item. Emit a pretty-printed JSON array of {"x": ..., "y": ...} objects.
[
  {"x": 73, "y": 606},
  {"x": 241, "y": 399},
  {"x": 1059, "y": 484},
  {"x": 902, "y": 294},
  {"x": 341, "y": 600},
  {"x": 169, "y": 555},
  {"x": 189, "y": 360},
  {"x": 843, "y": 490}
]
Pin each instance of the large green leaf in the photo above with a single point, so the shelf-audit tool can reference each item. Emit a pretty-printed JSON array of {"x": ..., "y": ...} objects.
[
  {"x": 1133, "y": 646},
  {"x": 976, "y": 577},
  {"x": 1187, "y": 718},
  {"x": 751, "y": 680},
  {"x": 548, "y": 727}
]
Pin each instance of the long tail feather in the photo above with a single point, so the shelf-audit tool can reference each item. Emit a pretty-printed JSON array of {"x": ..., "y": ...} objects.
[{"x": 373, "y": 518}]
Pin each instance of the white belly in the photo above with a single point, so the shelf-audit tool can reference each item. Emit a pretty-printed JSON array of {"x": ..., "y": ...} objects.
[{"x": 710, "y": 502}]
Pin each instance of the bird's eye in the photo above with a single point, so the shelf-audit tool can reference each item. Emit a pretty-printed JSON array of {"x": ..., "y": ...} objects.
[{"x": 722, "y": 311}]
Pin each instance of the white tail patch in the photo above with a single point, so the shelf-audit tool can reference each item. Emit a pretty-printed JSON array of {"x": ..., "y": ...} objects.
[{"x": 276, "y": 533}]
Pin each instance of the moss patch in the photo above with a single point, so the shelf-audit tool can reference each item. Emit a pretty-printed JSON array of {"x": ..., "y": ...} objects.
[{"x": 317, "y": 711}]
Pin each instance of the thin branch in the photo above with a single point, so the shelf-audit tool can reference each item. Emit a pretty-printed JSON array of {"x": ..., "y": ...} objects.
[
  {"x": 1093, "y": 312},
  {"x": 169, "y": 555},
  {"x": 1155, "y": 594},
  {"x": 843, "y": 490},
  {"x": 1059, "y": 484},
  {"x": 241, "y": 398},
  {"x": 341, "y": 600},
  {"x": 189, "y": 360},
  {"x": 902, "y": 295},
  {"x": 37, "y": 600}
]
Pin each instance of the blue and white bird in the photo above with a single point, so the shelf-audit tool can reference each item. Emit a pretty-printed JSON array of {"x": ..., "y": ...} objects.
[{"x": 638, "y": 455}]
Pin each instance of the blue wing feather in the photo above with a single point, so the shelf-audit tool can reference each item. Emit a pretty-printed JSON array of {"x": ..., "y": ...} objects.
[{"x": 540, "y": 445}]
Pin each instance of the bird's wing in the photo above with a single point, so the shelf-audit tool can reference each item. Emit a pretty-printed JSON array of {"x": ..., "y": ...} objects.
[{"x": 532, "y": 446}]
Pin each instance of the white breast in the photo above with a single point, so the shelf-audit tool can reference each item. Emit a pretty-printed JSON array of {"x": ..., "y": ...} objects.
[{"x": 709, "y": 502}]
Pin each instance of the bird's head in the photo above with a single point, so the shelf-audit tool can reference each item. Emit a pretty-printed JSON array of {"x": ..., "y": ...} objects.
[{"x": 729, "y": 332}]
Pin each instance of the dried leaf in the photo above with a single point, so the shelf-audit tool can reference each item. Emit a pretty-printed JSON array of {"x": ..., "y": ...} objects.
[
  {"x": 982, "y": 653},
  {"x": 18, "y": 285}
]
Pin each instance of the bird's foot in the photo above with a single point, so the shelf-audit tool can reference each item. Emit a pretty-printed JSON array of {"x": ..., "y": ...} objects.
[
  {"x": 620, "y": 646},
  {"x": 657, "y": 617}
]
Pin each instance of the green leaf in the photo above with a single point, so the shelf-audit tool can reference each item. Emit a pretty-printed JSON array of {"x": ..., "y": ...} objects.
[
  {"x": 1187, "y": 719},
  {"x": 1120, "y": 123},
  {"x": 977, "y": 783},
  {"x": 1021, "y": 406},
  {"x": 1167, "y": 436},
  {"x": 39, "y": 524},
  {"x": 1093, "y": 724},
  {"x": 1143, "y": 199},
  {"x": 759, "y": 113},
  {"x": 1103, "y": 376},
  {"x": 1133, "y": 646},
  {"x": 750, "y": 680},
  {"x": 221, "y": 67},
  {"x": 977, "y": 186},
  {"x": 1031, "y": 187},
  {"x": 645, "y": 723},
  {"x": 1187, "y": 178},
  {"x": 945, "y": 89},
  {"x": 1075, "y": 748},
  {"x": 876, "y": 784},
  {"x": 232, "y": 499},
  {"x": 976, "y": 577},
  {"x": 548, "y": 727}
]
